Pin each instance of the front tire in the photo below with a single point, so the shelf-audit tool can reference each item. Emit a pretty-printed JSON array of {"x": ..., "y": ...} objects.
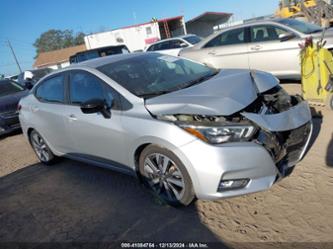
[
  {"x": 166, "y": 176},
  {"x": 43, "y": 152}
]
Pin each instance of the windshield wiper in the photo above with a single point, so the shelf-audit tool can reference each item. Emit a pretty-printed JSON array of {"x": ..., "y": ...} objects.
[{"x": 153, "y": 94}]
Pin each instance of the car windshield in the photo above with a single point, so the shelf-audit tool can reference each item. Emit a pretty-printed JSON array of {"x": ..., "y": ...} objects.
[
  {"x": 303, "y": 27},
  {"x": 8, "y": 87},
  {"x": 152, "y": 74},
  {"x": 192, "y": 39}
]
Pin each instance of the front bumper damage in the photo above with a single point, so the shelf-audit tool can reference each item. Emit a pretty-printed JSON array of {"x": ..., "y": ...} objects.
[
  {"x": 285, "y": 135},
  {"x": 282, "y": 124},
  {"x": 281, "y": 142}
]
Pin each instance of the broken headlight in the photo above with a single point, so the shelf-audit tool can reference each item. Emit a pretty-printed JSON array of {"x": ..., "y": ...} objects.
[{"x": 220, "y": 134}]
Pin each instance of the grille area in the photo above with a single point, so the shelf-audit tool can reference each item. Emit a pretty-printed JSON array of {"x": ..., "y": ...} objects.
[{"x": 285, "y": 147}]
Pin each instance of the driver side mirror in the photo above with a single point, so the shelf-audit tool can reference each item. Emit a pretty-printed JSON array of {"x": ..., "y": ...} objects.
[
  {"x": 95, "y": 106},
  {"x": 286, "y": 36}
]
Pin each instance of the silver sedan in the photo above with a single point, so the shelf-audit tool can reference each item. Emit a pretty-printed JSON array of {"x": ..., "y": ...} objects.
[
  {"x": 184, "y": 129},
  {"x": 268, "y": 45}
]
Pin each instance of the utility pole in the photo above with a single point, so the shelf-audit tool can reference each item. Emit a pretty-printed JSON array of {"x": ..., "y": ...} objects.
[{"x": 14, "y": 55}]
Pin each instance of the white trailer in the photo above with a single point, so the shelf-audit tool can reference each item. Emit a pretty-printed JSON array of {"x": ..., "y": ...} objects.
[{"x": 137, "y": 37}]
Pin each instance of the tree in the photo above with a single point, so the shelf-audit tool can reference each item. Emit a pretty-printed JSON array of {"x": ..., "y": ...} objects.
[{"x": 54, "y": 39}]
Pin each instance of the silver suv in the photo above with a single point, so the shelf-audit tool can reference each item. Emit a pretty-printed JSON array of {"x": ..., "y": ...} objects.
[
  {"x": 184, "y": 129},
  {"x": 268, "y": 45}
]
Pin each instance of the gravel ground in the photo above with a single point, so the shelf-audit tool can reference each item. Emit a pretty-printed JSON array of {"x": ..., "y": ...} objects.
[{"x": 72, "y": 201}]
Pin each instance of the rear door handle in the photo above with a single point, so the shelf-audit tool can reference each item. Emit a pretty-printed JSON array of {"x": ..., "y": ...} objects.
[
  {"x": 256, "y": 47},
  {"x": 212, "y": 52},
  {"x": 72, "y": 117}
]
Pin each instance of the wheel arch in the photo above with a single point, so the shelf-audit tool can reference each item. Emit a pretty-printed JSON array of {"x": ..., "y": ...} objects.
[
  {"x": 169, "y": 146},
  {"x": 137, "y": 154},
  {"x": 29, "y": 130}
]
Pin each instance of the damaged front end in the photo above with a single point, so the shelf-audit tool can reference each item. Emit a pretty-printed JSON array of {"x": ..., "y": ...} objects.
[
  {"x": 279, "y": 122},
  {"x": 285, "y": 127}
]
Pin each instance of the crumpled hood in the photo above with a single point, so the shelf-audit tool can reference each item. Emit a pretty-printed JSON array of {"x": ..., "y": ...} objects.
[{"x": 230, "y": 91}]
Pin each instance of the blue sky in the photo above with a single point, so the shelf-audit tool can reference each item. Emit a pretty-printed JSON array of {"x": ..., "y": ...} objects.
[{"x": 23, "y": 21}]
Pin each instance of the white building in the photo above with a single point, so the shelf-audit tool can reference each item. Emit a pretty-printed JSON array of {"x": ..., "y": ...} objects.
[
  {"x": 58, "y": 58},
  {"x": 137, "y": 37}
]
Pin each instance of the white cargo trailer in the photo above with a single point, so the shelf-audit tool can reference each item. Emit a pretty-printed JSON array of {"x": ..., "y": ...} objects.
[{"x": 137, "y": 37}]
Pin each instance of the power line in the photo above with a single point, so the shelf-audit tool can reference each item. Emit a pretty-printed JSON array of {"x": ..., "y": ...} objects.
[
  {"x": 14, "y": 55},
  {"x": 17, "y": 41},
  {"x": 11, "y": 64}
]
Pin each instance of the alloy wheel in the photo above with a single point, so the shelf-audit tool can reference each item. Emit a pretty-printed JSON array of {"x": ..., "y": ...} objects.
[
  {"x": 40, "y": 147},
  {"x": 164, "y": 177}
]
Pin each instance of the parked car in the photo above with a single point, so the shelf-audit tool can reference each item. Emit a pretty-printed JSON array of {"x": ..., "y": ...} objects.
[
  {"x": 172, "y": 46},
  {"x": 98, "y": 52},
  {"x": 268, "y": 45},
  {"x": 10, "y": 94},
  {"x": 185, "y": 129},
  {"x": 29, "y": 78}
]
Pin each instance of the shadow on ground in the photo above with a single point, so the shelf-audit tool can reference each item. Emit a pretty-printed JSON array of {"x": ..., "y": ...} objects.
[
  {"x": 10, "y": 134},
  {"x": 317, "y": 120},
  {"x": 75, "y": 202},
  {"x": 329, "y": 153}
]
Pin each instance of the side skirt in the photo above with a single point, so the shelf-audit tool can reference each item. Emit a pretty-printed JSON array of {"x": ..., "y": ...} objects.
[{"x": 103, "y": 163}]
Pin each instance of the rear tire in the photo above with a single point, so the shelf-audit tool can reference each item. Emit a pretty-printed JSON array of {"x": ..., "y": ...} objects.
[
  {"x": 164, "y": 174},
  {"x": 42, "y": 150}
]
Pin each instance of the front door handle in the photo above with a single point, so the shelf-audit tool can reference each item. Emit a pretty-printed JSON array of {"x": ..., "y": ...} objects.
[
  {"x": 72, "y": 117},
  {"x": 256, "y": 47},
  {"x": 212, "y": 52},
  {"x": 34, "y": 108}
]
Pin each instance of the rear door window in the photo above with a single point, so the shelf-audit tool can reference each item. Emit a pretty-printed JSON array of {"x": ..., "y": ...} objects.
[
  {"x": 52, "y": 89},
  {"x": 263, "y": 33},
  {"x": 231, "y": 37},
  {"x": 160, "y": 46},
  {"x": 176, "y": 43}
]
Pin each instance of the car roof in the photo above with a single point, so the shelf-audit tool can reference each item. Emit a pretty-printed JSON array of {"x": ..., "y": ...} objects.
[
  {"x": 99, "y": 48},
  {"x": 172, "y": 38},
  {"x": 245, "y": 24},
  {"x": 252, "y": 22},
  {"x": 101, "y": 61}
]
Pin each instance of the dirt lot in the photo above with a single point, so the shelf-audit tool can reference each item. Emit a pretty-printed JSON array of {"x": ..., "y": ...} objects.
[{"x": 73, "y": 201}]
